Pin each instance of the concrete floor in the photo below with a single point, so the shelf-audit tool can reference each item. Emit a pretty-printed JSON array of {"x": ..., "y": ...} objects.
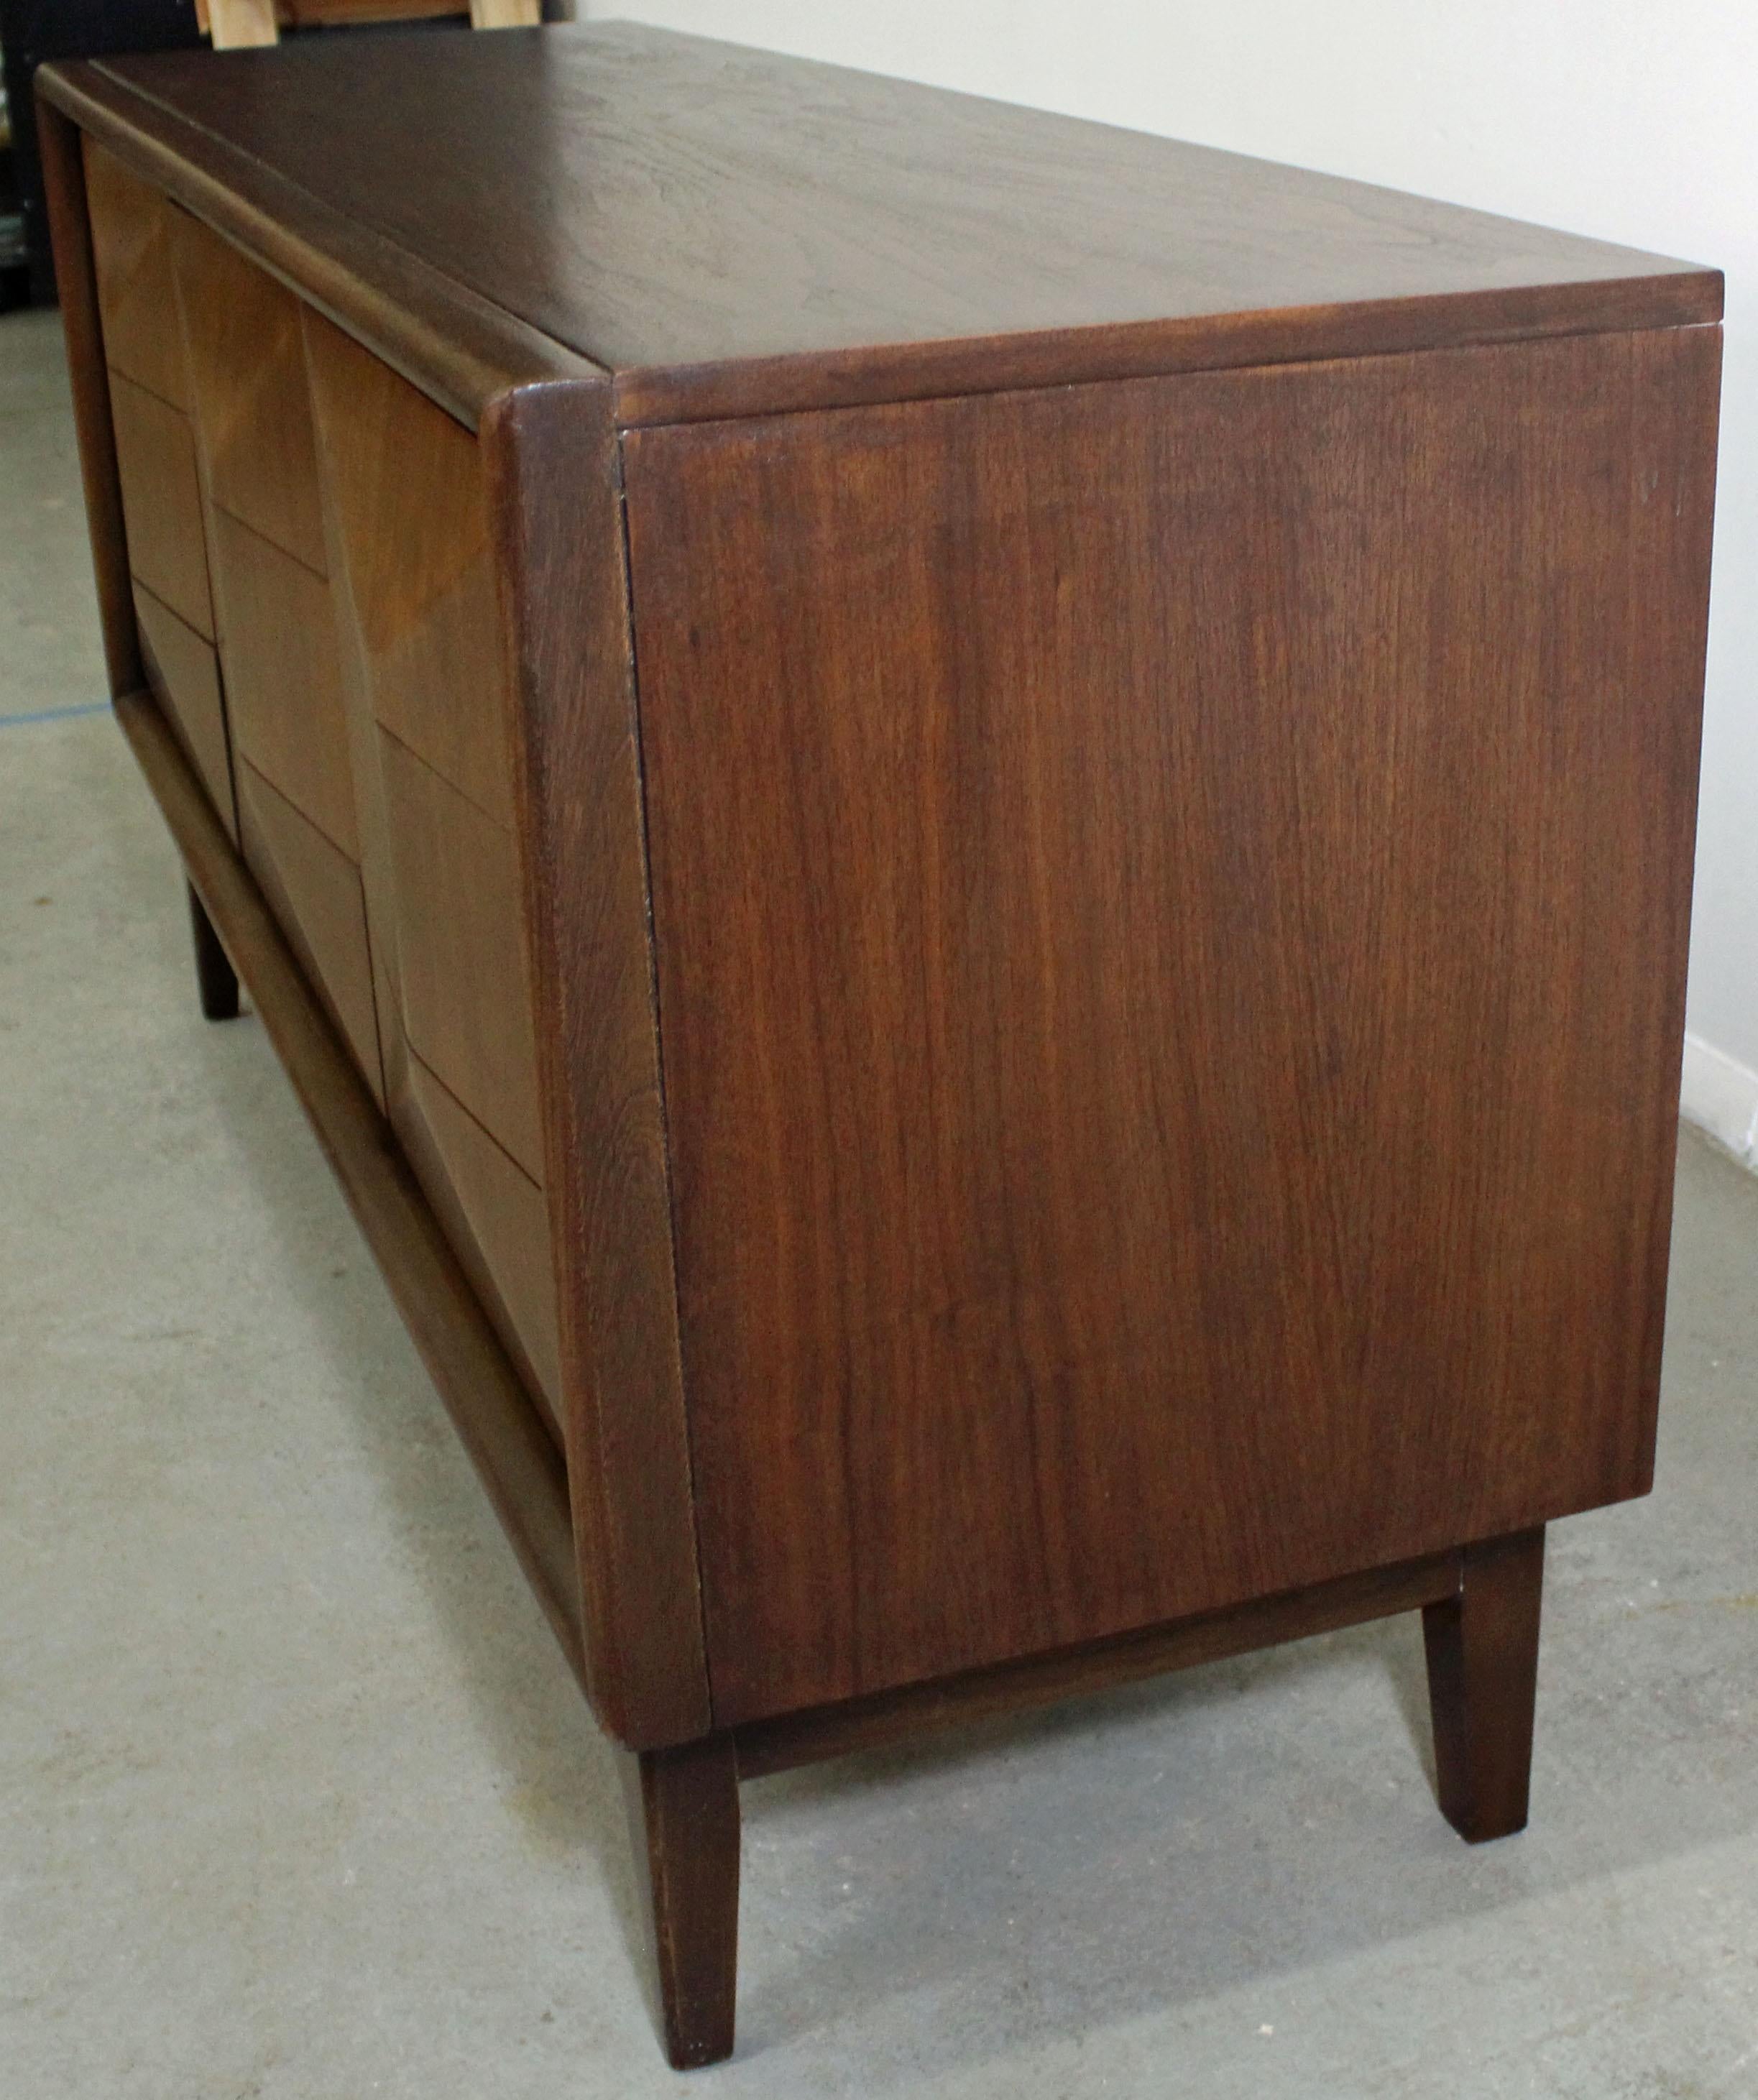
[{"x": 297, "y": 1797}]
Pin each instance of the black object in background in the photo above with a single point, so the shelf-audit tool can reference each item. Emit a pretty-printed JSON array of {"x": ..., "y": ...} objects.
[{"x": 33, "y": 30}]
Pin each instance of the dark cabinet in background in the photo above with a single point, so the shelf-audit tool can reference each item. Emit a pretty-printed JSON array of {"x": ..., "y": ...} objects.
[{"x": 32, "y": 31}]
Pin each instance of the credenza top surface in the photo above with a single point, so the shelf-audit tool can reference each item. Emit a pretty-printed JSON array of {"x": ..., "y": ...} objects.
[{"x": 723, "y": 230}]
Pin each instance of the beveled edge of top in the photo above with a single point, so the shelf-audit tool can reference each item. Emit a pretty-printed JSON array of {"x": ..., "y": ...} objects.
[
  {"x": 643, "y": 396},
  {"x": 463, "y": 349}
]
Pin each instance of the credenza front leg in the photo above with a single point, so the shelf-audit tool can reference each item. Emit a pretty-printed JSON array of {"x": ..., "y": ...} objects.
[
  {"x": 683, "y": 1814},
  {"x": 1482, "y": 1647},
  {"x": 215, "y": 977}
]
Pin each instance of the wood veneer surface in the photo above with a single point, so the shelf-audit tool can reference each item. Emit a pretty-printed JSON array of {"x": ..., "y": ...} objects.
[
  {"x": 668, "y": 207},
  {"x": 407, "y": 488},
  {"x": 461, "y": 950},
  {"x": 280, "y": 657},
  {"x": 315, "y": 890},
  {"x": 162, "y": 501},
  {"x": 1172, "y": 906},
  {"x": 183, "y": 673},
  {"x": 252, "y": 405},
  {"x": 130, "y": 240}
]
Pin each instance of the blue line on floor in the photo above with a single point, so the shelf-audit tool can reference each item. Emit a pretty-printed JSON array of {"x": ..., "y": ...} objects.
[{"x": 56, "y": 714}]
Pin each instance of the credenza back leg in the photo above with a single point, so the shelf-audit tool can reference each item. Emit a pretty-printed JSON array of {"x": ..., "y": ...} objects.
[
  {"x": 1482, "y": 1647},
  {"x": 215, "y": 977},
  {"x": 683, "y": 1815}
]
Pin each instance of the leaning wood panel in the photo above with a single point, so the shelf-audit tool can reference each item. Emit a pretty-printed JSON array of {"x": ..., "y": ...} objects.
[
  {"x": 1168, "y": 899},
  {"x": 283, "y": 677},
  {"x": 162, "y": 501},
  {"x": 506, "y": 1442},
  {"x": 130, "y": 241},
  {"x": 315, "y": 890},
  {"x": 551, "y": 457},
  {"x": 252, "y": 409},
  {"x": 183, "y": 673}
]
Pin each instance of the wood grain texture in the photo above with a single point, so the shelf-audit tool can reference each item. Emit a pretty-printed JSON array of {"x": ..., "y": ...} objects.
[
  {"x": 130, "y": 243},
  {"x": 519, "y": 1464},
  {"x": 730, "y": 231},
  {"x": 315, "y": 890},
  {"x": 406, "y": 482},
  {"x": 252, "y": 407},
  {"x": 464, "y": 978},
  {"x": 335, "y": 441},
  {"x": 683, "y": 1818},
  {"x": 162, "y": 501},
  {"x": 413, "y": 581},
  {"x": 551, "y": 457},
  {"x": 497, "y": 1217},
  {"x": 283, "y": 674},
  {"x": 458, "y": 347},
  {"x": 183, "y": 673},
  {"x": 787, "y": 1739},
  {"x": 1170, "y": 907},
  {"x": 76, "y": 272},
  {"x": 1483, "y": 1651}
]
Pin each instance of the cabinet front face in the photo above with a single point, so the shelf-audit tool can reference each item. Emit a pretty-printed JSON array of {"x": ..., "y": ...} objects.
[
  {"x": 316, "y": 597},
  {"x": 1170, "y": 905}
]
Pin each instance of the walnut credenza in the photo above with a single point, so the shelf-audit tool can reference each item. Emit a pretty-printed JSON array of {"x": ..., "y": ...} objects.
[{"x": 972, "y": 835}]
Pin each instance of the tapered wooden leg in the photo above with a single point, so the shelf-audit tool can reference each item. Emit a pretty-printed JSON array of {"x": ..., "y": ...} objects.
[
  {"x": 1483, "y": 1649},
  {"x": 215, "y": 977},
  {"x": 683, "y": 1814}
]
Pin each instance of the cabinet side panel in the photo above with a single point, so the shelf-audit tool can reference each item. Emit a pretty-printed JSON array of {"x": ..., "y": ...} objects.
[
  {"x": 1170, "y": 906},
  {"x": 552, "y": 464}
]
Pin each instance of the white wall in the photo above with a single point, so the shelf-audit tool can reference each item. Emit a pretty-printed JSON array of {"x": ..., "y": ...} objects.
[{"x": 1635, "y": 121}]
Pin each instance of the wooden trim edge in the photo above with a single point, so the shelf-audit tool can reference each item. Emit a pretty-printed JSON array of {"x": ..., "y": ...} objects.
[
  {"x": 787, "y": 1739},
  {"x": 645, "y": 396},
  {"x": 499, "y": 1427},
  {"x": 552, "y": 460},
  {"x": 63, "y": 170}
]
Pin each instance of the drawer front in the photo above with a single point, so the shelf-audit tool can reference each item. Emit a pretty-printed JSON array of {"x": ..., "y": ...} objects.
[
  {"x": 162, "y": 501},
  {"x": 284, "y": 676},
  {"x": 137, "y": 298},
  {"x": 314, "y": 892},
  {"x": 497, "y": 1217},
  {"x": 461, "y": 950},
  {"x": 247, "y": 379},
  {"x": 406, "y": 482},
  {"x": 183, "y": 673}
]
